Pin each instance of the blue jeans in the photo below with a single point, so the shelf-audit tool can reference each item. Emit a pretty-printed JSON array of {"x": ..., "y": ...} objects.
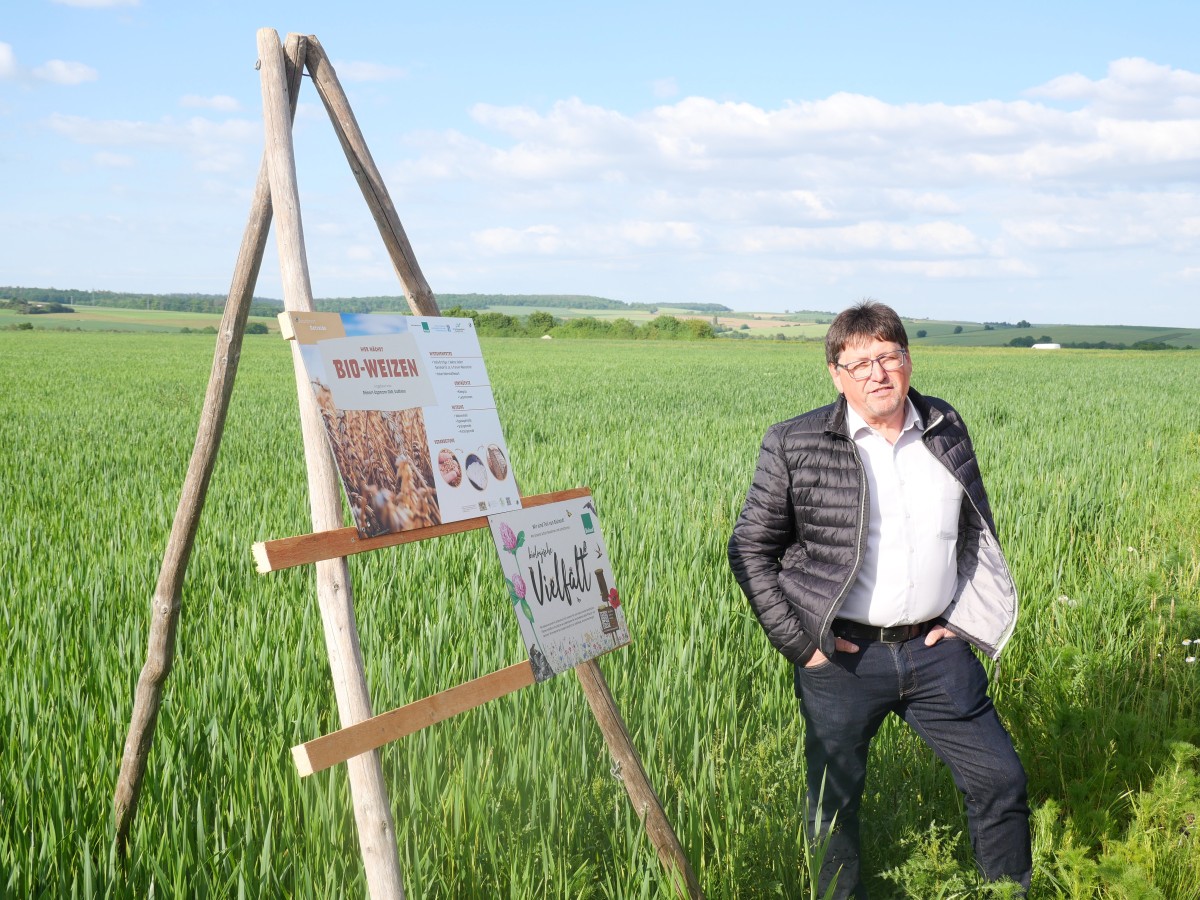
[{"x": 941, "y": 692}]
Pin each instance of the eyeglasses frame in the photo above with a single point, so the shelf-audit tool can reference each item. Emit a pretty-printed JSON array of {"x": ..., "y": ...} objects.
[{"x": 904, "y": 357}]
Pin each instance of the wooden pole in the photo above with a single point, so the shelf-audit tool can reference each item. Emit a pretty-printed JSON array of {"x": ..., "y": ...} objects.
[
  {"x": 372, "y": 810},
  {"x": 166, "y": 602},
  {"x": 645, "y": 802},
  {"x": 416, "y": 289}
]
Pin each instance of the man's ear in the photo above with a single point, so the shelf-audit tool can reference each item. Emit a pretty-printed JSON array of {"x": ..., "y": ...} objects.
[{"x": 836, "y": 374}]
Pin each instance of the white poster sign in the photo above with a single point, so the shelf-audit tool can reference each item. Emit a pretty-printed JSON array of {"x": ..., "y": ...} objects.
[
  {"x": 560, "y": 583},
  {"x": 408, "y": 409}
]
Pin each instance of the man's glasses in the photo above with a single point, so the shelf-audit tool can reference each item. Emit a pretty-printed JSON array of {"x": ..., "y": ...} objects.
[{"x": 860, "y": 369}]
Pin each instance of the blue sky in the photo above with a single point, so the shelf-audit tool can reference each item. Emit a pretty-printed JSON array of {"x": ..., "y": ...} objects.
[{"x": 990, "y": 162}]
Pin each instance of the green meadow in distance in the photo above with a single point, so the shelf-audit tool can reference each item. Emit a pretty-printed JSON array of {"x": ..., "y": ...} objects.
[{"x": 794, "y": 325}]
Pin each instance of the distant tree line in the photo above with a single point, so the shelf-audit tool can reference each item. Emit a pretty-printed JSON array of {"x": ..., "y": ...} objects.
[
  {"x": 564, "y": 301},
  {"x": 553, "y": 301},
  {"x": 539, "y": 323},
  {"x": 1029, "y": 341},
  {"x": 742, "y": 333},
  {"x": 267, "y": 306},
  {"x": 200, "y": 303},
  {"x": 33, "y": 308},
  {"x": 480, "y": 302},
  {"x": 251, "y": 328},
  {"x": 465, "y": 301}
]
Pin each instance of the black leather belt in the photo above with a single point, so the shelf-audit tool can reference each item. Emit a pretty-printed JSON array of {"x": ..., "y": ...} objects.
[{"x": 897, "y": 634}]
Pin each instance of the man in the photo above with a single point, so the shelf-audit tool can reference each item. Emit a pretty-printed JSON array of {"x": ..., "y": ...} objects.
[{"x": 867, "y": 550}]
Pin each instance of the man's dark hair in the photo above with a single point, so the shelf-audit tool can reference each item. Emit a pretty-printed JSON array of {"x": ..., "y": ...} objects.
[{"x": 864, "y": 321}]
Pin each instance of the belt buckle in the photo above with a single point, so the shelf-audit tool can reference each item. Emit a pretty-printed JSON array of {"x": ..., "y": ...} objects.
[{"x": 897, "y": 634}]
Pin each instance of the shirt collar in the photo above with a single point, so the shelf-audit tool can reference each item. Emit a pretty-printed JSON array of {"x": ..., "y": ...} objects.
[{"x": 856, "y": 423}]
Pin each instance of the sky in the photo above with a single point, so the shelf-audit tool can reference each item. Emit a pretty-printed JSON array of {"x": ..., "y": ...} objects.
[{"x": 984, "y": 162}]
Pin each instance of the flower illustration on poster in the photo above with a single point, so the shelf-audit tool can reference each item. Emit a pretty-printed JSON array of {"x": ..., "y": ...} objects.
[
  {"x": 560, "y": 584},
  {"x": 510, "y": 540},
  {"x": 537, "y": 657}
]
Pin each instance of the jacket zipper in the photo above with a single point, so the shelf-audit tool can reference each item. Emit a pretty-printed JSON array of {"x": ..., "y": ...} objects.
[{"x": 858, "y": 544}]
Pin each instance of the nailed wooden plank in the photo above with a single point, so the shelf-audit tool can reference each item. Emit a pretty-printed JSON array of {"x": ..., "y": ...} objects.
[
  {"x": 284, "y": 553},
  {"x": 339, "y": 746}
]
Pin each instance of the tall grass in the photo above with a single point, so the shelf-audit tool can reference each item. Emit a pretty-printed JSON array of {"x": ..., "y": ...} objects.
[{"x": 1092, "y": 459}]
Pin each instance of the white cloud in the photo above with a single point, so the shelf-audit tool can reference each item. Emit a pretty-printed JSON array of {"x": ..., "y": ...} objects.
[
  {"x": 652, "y": 234},
  {"x": 878, "y": 238},
  {"x": 61, "y": 71},
  {"x": 1134, "y": 88},
  {"x": 8, "y": 62},
  {"x": 217, "y": 103},
  {"x": 665, "y": 88},
  {"x": 117, "y": 132},
  {"x": 1109, "y": 222},
  {"x": 108, "y": 160},
  {"x": 960, "y": 270},
  {"x": 934, "y": 203},
  {"x": 794, "y": 206},
  {"x": 214, "y": 147},
  {"x": 368, "y": 71},
  {"x": 610, "y": 239},
  {"x": 832, "y": 159},
  {"x": 843, "y": 191},
  {"x": 53, "y": 71},
  {"x": 534, "y": 239},
  {"x": 736, "y": 202}
]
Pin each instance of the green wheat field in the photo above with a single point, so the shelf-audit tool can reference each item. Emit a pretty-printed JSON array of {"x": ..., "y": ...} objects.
[{"x": 1092, "y": 459}]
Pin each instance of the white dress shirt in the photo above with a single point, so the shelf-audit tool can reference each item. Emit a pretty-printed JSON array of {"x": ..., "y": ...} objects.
[{"x": 909, "y": 571}]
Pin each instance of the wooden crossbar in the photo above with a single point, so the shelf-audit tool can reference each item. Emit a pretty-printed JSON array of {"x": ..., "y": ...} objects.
[
  {"x": 284, "y": 553},
  {"x": 339, "y": 746}
]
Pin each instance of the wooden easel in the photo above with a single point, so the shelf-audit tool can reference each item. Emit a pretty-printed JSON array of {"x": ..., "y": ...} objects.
[{"x": 329, "y": 544}]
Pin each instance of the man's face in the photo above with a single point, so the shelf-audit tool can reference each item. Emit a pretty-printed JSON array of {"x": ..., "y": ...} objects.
[{"x": 879, "y": 398}]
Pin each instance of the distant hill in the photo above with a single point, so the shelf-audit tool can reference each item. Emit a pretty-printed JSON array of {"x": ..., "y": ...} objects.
[
  {"x": 268, "y": 306},
  {"x": 165, "y": 312},
  {"x": 191, "y": 303},
  {"x": 548, "y": 302},
  {"x": 1003, "y": 334}
]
